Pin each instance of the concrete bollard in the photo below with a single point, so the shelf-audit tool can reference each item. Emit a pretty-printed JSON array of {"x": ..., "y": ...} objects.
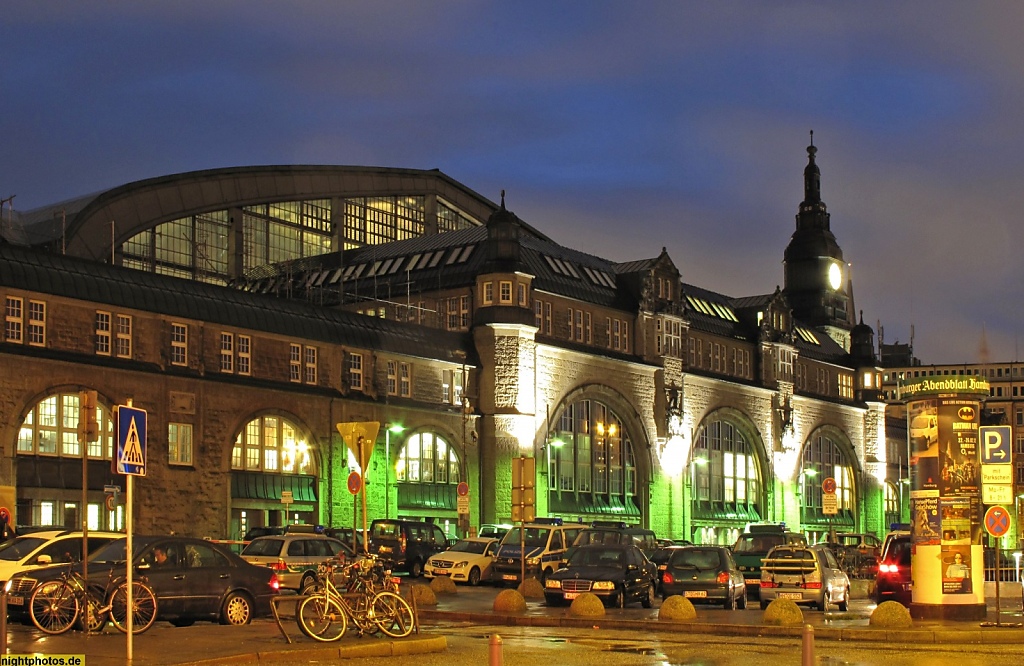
[
  {"x": 807, "y": 656},
  {"x": 496, "y": 658}
]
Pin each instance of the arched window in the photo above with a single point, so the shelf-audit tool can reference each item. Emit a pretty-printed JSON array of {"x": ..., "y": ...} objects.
[
  {"x": 823, "y": 457},
  {"x": 591, "y": 466},
  {"x": 725, "y": 475},
  {"x": 892, "y": 504},
  {"x": 51, "y": 429},
  {"x": 428, "y": 458},
  {"x": 272, "y": 444}
]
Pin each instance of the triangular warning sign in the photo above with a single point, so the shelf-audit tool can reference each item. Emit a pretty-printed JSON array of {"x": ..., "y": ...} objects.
[{"x": 132, "y": 454}]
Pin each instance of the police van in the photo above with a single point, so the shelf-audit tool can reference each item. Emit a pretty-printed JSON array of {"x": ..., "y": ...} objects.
[{"x": 540, "y": 546}]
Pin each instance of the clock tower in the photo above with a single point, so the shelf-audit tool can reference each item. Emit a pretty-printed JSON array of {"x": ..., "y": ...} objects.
[{"x": 816, "y": 280}]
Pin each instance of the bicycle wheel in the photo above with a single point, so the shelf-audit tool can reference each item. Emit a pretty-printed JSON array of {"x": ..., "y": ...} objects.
[
  {"x": 54, "y": 607},
  {"x": 143, "y": 608},
  {"x": 321, "y": 618},
  {"x": 393, "y": 614}
]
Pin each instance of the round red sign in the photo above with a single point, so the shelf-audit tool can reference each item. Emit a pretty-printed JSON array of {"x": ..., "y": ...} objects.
[
  {"x": 997, "y": 521},
  {"x": 355, "y": 483},
  {"x": 462, "y": 489},
  {"x": 828, "y": 484}
]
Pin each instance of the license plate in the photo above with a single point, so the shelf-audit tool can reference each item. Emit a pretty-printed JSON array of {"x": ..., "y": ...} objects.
[
  {"x": 385, "y": 549},
  {"x": 571, "y": 595},
  {"x": 700, "y": 594},
  {"x": 790, "y": 595},
  {"x": 510, "y": 577},
  {"x": 441, "y": 572},
  {"x": 906, "y": 588},
  {"x": 15, "y": 601}
]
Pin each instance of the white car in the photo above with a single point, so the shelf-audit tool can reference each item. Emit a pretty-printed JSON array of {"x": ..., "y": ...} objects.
[
  {"x": 39, "y": 549},
  {"x": 468, "y": 561}
]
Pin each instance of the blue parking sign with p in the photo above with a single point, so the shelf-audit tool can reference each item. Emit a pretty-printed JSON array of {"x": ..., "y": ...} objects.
[
  {"x": 130, "y": 457},
  {"x": 995, "y": 444}
]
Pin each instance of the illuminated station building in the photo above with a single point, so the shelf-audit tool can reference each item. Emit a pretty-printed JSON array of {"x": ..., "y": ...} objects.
[{"x": 251, "y": 310}]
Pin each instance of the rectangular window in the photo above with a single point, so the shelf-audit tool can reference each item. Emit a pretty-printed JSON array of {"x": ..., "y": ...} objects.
[
  {"x": 547, "y": 318},
  {"x": 392, "y": 377},
  {"x": 124, "y": 336},
  {"x": 505, "y": 292},
  {"x": 244, "y": 348},
  {"x": 464, "y": 312},
  {"x": 579, "y": 325},
  {"x": 37, "y": 323},
  {"x": 103, "y": 333},
  {"x": 311, "y": 372},
  {"x": 295, "y": 363},
  {"x": 14, "y": 319},
  {"x": 523, "y": 302},
  {"x": 538, "y": 315},
  {"x": 453, "y": 313},
  {"x": 179, "y": 344},
  {"x": 488, "y": 297},
  {"x": 179, "y": 443},
  {"x": 355, "y": 372},
  {"x": 405, "y": 380},
  {"x": 227, "y": 352}
]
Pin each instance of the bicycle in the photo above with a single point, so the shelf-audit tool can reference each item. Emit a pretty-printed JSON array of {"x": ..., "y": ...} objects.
[
  {"x": 57, "y": 605},
  {"x": 324, "y": 615}
]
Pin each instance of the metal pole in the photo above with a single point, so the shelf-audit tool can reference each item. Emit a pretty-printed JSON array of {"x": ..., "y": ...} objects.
[
  {"x": 998, "y": 550},
  {"x": 3, "y": 617},
  {"x": 495, "y": 658},
  {"x": 387, "y": 469},
  {"x": 807, "y": 652}
]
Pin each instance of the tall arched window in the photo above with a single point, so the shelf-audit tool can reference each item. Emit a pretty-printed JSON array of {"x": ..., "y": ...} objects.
[
  {"x": 591, "y": 465},
  {"x": 725, "y": 475},
  {"x": 428, "y": 458},
  {"x": 824, "y": 457},
  {"x": 51, "y": 429},
  {"x": 272, "y": 444},
  {"x": 892, "y": 504}
]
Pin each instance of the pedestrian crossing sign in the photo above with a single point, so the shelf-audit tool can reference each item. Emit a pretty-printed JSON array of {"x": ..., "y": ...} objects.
[{"x": 130, "y": 457}]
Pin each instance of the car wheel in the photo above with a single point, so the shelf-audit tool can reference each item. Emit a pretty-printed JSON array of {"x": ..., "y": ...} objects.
[
  {"x": 619, "y": 600},
  {"x": 730, "y": 601},
  {"x": 415, "y": 569},
  {"x": 307, "y": 584},
  {"x": 648, "y": 599},
  {"x": 474, "y": 576},
  {"x": 237, "y": 609},
  {"x": 844, "y": 605},
  {"x": 742, "y": 601}
]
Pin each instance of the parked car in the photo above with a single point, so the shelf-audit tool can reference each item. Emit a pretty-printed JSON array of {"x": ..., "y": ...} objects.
[
  {"x": 806, "y": 575},
  {"x": 539, "y": 547},
  {"x": 893, "y": 581},
  {"x": 407, "y": 543},
  {"x": 610, "y": 532},
  {"x": 468, "y": 561},
  {"x": 295, "y": 557},
  {"x": 660, "y": 559},
  {"x": 706, "y": 574},
  {"x": 494, "y": 531},
  {"x": 199, "y": 580},
  {"x": 617, "y": 574},
  {"x": 39, "y": 549}
]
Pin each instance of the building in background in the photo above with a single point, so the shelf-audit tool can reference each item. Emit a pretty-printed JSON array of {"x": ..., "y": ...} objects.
[{"x": 251, "y": 310}]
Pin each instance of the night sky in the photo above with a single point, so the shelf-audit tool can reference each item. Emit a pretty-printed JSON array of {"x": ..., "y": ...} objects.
[{"x": 615, "y": 127}]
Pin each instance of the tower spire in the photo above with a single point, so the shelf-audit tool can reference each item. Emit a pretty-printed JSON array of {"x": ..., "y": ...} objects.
[{"x": 812, "y": 176}]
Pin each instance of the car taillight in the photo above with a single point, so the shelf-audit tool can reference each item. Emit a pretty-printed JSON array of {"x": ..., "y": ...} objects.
[
  {"x": 275, "y": 584},
  {"x": 668, "y": 578},
  {"x": 767, "y": 583},
  {"x": 723, "y": 578},
  {"x": 813, "y": 585},
  {"x": 888, "y": 568},
  {"x": 279, "y": 566}
]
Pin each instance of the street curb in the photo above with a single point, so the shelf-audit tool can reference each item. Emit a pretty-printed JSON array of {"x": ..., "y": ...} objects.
[
  {"x": 390, "y": 648},
  {"x": 973, "y": 635}
]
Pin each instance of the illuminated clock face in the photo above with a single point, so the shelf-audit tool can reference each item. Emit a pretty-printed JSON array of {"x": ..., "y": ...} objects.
[{"x": 835, "y": 276}]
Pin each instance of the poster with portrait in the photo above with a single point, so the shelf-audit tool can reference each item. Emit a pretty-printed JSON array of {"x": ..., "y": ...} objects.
[
  {"x": 926, "y": 521},
  {"x": 956, "y": 569}
]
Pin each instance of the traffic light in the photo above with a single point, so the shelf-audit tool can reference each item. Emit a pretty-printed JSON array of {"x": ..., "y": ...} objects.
[{"x": 88, "y": 426}]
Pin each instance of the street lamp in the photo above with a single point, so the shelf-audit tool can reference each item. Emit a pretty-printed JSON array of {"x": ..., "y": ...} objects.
[{"x": 397, "y": 429}]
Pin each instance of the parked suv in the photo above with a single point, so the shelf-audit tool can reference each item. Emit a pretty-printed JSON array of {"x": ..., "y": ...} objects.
[
  {"x": 614, "y": 532},
  {"x": 294, "y": 556},
  {"x": 753, "y": 545},
  {"x": 806, "y": 575},
  {"x": 893, "y": 578},
  {"x": 407, "y": 543},
  {"x": 546, "y": 542}
]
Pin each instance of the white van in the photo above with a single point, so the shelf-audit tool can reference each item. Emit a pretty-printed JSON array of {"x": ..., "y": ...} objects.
[{"x": 546, "y": 542}]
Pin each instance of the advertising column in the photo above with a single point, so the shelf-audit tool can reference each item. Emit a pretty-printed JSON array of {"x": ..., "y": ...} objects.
[{"x": 947, "y": 565}]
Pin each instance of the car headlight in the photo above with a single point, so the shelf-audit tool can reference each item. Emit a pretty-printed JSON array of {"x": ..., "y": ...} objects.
[
  {"x": 532, "y": 561},
  {"x": 461, "y": 565},
  {"x": 604, "y": 585},
  {"x": 553, "y": 584}
]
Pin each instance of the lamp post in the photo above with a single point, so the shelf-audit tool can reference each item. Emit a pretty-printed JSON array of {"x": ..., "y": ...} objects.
[{"x": 397, "y": 429}]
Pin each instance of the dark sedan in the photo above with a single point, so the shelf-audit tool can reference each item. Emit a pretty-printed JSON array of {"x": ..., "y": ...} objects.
[
  {"x": 196, "y": 580},
  {"x": 706, "y": 574},
  {"x": 660, "y": 559},
  {"x": 617, "y": 574}
]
